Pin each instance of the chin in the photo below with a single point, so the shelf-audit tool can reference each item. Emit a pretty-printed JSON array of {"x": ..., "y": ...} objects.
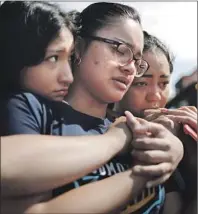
[{"x": 116, "y": 98}]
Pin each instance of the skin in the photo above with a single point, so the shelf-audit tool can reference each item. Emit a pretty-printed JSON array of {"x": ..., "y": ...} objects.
[
  {"x": 53, "y": 76},
  {"x": 95, "y": 50},
  {"x": 153, "y": 86},
  {"x": 146, "y": 98},
  {"x": 90, "y": 94},
  {"x": 94, "y": 101},
  {"x": 95, "y": 82},
  {"x": 129, "y": 184}
]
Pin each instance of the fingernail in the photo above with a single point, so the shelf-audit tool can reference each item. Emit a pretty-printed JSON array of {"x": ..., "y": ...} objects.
[
  {"x": 164, "y": 110},
  {"x": 129, "y": 113}
]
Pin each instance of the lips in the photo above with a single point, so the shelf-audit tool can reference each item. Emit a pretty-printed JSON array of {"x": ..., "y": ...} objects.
[
  {"x": 63, "y": 91},
  {"x": 122, "y": 80},
  {"x": 155, "y": 105}
]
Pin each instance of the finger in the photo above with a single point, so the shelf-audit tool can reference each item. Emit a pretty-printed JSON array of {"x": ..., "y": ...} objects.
[
  {"x": 151, "y": 156},
  {"x": 143, "y": 126},
  {"x": 147, "y": 143},
  {"x": 118, "y": 120},
  {"x": 131, "y": 120},
  {"x": 136, "y": 125},
  {"x": 165, "y": 121},
  {"x": 190, "y": 131},
  {"x": 152, "y": 170},
  {"x": 178, "y": 112},
  {"x": 140, "y": 130},
  {"x": 152, "y": 117},
  {"x": 184, "y": 119},
  {"x": 189, "y": 108},
  {"x": 151, "y": 111},
  {"x": 158, "y": 181}
]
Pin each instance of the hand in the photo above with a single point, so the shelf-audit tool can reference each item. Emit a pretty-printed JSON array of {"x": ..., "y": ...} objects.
[
  {"x": 187, "y": 116},
  {"x": 172, "y": 118},
  {"x": 188, "y": 166},
  {"x": 122, "y": 133},
  {"x": 157, "y": 116},
  {"x": 184, "y": 115},
  {"x": 155, "y": 146}
]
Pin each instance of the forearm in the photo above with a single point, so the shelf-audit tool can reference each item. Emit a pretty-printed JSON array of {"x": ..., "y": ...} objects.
[
  {"x": 35, "y": 163},
  {"x": 104, "y": 196}
]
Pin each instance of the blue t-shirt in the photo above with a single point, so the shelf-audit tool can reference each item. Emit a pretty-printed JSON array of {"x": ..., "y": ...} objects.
[{"x": 31, "y": 114}]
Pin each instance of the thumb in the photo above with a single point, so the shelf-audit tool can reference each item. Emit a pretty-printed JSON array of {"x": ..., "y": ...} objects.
[
  {"x": 133, "y": 122},
  {"x": 118, "y": 120},
  {"x": 142, "y": 126}
]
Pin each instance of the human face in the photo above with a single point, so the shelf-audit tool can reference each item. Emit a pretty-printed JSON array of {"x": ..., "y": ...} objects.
[
  {"x": 100, "y": 74},
  {"x": 152, "y": 89},
  {"x": 52, "y": 77}
]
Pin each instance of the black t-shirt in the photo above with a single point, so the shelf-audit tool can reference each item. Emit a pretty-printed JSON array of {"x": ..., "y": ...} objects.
[{"x": 26, "y": 113}]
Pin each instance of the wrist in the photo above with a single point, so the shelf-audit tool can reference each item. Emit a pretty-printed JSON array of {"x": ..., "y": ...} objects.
[{"x": 118, "y": 140}]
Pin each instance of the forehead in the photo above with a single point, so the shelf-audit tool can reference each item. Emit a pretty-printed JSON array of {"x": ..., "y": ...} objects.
[
  {"x": 125, "y": 29},
  {"x": 157, "y": 61},
  {"x": 64, "y": 40}
]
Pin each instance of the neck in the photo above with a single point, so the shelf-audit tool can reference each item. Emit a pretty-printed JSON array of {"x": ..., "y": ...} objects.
[{"x": 80, "y": 99}]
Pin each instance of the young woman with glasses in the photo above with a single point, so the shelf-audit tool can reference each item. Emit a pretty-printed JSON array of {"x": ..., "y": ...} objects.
[{"x": 107, "y": 57}]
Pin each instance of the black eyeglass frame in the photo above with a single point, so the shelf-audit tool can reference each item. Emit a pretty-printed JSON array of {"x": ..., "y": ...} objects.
[{"x": 117, "y": 43}]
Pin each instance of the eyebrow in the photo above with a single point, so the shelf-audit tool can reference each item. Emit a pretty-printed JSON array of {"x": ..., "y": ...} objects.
[
  {"x": 150, "y": 76},
  {"x": 60, "y": 50},
  {"x": 56, "y": 50}
]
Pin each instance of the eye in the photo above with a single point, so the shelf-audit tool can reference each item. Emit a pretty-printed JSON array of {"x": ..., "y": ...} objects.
[
  {"x": 164, "y": 84},
  {"x": 122, "y": 49},
  {"x": 71, "y": 56},
  {"x": 52, "y": 58},
  {"x": 114, "y": 48},
  {"x": 139, "y": 84}
]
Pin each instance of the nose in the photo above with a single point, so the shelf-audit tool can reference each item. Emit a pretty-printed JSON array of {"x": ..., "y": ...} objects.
[
  {"x": 129, "y": 68},
  {"x": 154, "y": 94},
  {"x": 65, "y": 76}
]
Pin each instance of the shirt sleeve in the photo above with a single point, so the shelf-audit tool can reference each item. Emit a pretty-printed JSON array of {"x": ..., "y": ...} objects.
[{"x": 23, "y": 115}]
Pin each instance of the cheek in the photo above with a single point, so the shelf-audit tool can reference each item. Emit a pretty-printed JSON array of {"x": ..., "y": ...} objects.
[
  {"x": 38, "y": 79},
  {"x": 164, "y": 99},
  {"x": 133, "y": 101},
  {"x": 94, "y": 71}
]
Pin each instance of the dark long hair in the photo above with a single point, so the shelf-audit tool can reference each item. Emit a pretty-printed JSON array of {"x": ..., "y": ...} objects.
[
  {"x": 101, "y": 14},
  {"x": 27, "y": 28},
  {"x": 151, "y": 42}
]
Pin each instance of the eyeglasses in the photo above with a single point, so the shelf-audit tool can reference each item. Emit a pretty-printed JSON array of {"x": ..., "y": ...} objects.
[{"x": 124, "y": 55}]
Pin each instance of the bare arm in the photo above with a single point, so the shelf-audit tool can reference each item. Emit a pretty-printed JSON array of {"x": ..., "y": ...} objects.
[
  {"x": 35, "y": 163},
  {"x": 104, "y": 196}
]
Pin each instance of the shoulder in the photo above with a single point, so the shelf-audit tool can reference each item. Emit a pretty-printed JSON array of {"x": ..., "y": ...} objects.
[{"x": 23, "y": 113}]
